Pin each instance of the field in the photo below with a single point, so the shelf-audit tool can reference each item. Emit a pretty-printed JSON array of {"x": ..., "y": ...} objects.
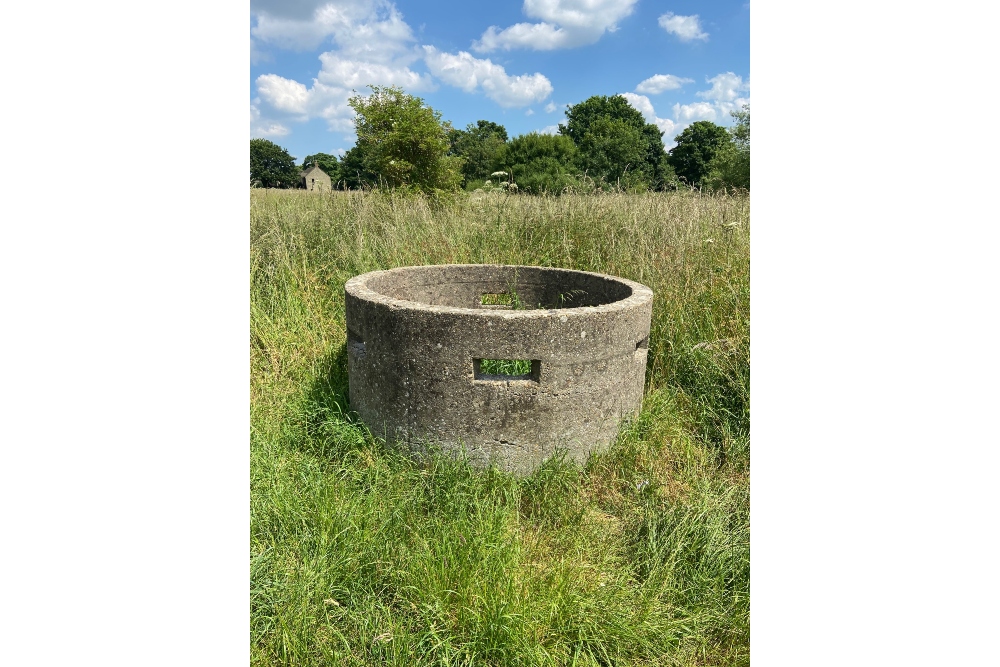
[{"x": 361, "y": 556}]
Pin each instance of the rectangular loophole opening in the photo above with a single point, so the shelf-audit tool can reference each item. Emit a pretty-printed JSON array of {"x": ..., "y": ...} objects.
[
  {"x": 504, "y": 370},
  {"x": 497, "y": 300}
]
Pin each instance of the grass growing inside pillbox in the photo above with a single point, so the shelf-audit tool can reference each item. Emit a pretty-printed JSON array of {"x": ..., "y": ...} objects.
[{"x": 361, "y": 556}]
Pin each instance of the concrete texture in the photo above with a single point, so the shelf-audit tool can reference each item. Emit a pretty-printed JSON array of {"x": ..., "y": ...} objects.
[{"x": 416, "y": 336}]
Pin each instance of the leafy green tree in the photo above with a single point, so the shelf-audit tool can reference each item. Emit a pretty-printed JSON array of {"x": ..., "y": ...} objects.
[
  {"x": 730, "y": 168},
  {"x": 540, "y": 163},
  {"x": 666, "y": 177},
  {"x": 404, "y": 142},
  {"x": 741, "y": 130},
  {"x": 613, "y": 151},
  {"x": 696, "y": 146},
  {"x": 271, "y": 166},
  {"x": 617, "y": 145},
  {"x": 328, "y": 163},
  {"x": 353, "y": 172},
  {"x": 479, "y": 147}
]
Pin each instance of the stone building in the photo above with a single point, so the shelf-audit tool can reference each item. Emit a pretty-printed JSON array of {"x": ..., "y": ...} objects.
[{"x": 315, "y": 178}]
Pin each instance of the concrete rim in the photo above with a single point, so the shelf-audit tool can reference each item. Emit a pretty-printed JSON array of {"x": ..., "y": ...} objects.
[{"x": 358, "y": 287}]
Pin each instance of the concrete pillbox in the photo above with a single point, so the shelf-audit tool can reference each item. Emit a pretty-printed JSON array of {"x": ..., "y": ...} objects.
[{"x": 421, "y": 341}]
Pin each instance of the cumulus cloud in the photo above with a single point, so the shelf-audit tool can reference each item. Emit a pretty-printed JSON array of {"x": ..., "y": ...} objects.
[
  {"x": 374, "y": 46},
  {"x": 299, "y": 103},
  {"x": 529, "y": 112},
  {"x": 373, "y": 28},
  {"x": 660, "y": 82},
  {"x": 549, "y": 129},
  {"x": 642, "y": 104},
  {"x": 268, "y": 129},
  {"x": 723, "y": 97},
  {"x": 538, "y": 36},
  {"x": 727, "y": 92},
  {"x": 261, "y": 129},
  {"x": 564, "y": 24},
  {"x": 351, "y": 73},
  {"x": 692, "y": 112},
  {"x": 464, "y": 71},
  {"x": 687, "y": 28},
  {"x": 283, "y": 94},
  {"x": 550, "y": 107}
]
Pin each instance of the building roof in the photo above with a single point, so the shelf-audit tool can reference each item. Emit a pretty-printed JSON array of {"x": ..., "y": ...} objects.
[{"x": 312, "y": 169}]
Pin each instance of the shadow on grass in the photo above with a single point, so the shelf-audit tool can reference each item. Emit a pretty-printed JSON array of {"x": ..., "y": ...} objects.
[
  {"x": 331, "y": 427},
  {"x": 329, "y": 391}
]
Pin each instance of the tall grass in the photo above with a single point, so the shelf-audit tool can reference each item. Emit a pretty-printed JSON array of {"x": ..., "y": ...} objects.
[{"x": 361, "y": 556}]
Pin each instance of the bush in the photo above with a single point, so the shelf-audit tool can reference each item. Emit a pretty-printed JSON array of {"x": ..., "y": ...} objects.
[{"x": 542, "y": 163}]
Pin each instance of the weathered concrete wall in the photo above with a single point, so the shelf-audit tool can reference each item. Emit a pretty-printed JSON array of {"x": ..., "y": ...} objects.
[{"x": 416, "y": 335}]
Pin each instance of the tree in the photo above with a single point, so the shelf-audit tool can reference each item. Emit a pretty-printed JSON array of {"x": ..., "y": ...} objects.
[
  {"x": 615, "y": 141},
  {"x": 271, "y": 166},
  {"x": 403, "y": 142},
  {"x": 353, "y": 172},
  {"x": 614, "y": 151},
  {"x": 730, "y": 168},
  {"x": 328, "y": 163},
  {"x": 541, "y": 163},
  {"x": 696, "y": 146},
  {"x": 741, "y": 130},
  {"x": 479, "y": 147}
]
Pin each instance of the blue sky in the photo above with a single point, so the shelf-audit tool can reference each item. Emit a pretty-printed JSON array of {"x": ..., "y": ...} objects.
[{"x": 515, "y": 64}]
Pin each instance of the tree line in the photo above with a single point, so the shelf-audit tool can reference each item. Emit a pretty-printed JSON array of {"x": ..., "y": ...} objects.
[{"x": 604, "y": 144}]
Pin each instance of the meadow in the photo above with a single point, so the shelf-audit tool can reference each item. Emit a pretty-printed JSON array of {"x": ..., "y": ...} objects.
[{"x": 361, "y": 555}]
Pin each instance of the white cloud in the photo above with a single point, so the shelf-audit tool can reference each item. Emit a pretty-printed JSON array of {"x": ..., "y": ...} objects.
[
  {"x": 687, "y": 28},
  {"x": 550, "y": 107},
  {"x": 725, "y": 87},
  {"x": 299, "y": 103},
  {"x": 529, "y": 112},
  {"x": 262, "y": 129},
  {"x": 726, "y": 92},
  {"x": 660, "y": 82},
  {"x": 720, "y": 99},
  {"x": 549, "y": 129},
  {"x": 271, "y": 129},
  {"x": 371, "y": 28},
  {"x": 350, "y": 73},
  {"x": 565, "y": 24},
  {"x": 283, "y": 94},
  {"x": 538, "y": 36},
  {"x": 693, "y": 112},
  {"x": 375, "y": 46},
  {"x": 642, "y": 104},
  {"x": 464, "y": 71}
]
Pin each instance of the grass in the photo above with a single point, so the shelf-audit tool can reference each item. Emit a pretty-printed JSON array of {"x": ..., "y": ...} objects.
[
  {"x": 361, "y": 556},
  {"x": 511, "y": 367}
]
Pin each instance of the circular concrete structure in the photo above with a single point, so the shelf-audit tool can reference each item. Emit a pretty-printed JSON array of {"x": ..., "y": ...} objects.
[{"x": 510, "y": 362}]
